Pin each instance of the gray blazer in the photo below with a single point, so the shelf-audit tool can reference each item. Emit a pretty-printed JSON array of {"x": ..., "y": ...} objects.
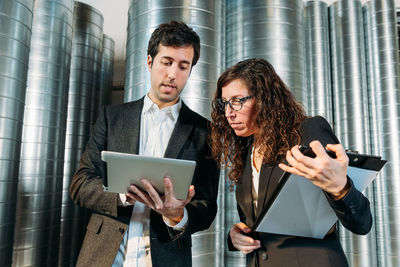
[
  {"x": 118, "y": 129},
  {"x": 353, "y": 212}
]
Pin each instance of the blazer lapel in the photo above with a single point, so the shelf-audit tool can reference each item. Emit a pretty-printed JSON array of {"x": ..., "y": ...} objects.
[
  {"x": 132, "y": 121},
  {"x": 181, "y": 132},
  {"x": 243, "y": 189},
  {"x": 265, "y": 175}
]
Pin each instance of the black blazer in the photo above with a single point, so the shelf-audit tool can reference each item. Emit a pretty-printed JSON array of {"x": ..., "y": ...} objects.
[
  {"x": 282, "y": 250},
  {"x": 118, "y": 129}
]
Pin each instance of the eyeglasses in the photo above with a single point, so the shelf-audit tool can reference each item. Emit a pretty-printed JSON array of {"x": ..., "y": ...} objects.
[{"x": 236, "y": 103}]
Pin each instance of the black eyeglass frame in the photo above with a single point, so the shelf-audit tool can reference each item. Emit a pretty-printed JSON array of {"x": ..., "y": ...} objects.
[{"x": 220, "y": 104}]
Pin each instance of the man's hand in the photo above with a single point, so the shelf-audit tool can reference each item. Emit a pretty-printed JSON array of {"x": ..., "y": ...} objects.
[
  {"x": 168, "y": 206},
  {"x": 323, "y": 171},
  {"x": 242, "y": 242}
]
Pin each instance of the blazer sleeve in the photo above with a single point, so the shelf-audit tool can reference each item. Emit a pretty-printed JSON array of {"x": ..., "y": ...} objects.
[
  {"x": 353, "y": 210},
  {"x": 86, "y": 188}
]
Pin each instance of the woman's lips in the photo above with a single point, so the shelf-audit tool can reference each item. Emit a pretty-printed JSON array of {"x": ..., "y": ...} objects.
[{"x": 235, "y": 125}]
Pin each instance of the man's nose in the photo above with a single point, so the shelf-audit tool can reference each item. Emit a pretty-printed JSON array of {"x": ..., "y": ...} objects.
[{"x": 172, "y": 72}]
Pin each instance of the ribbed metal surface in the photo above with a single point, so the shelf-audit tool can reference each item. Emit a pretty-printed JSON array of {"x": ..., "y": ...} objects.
[
  {"x": 270, "y": 29},
  {"x": 86, "y": 42},
  {"x": 385, "y": 87},
  {"x": 319, "y": 89},
  {"x": 351, "y": 107},
  {"x": 207, "y": 19},
  {"x": 96, "y": 81},
  {"x": 42, "y": 153},
  {"x": 15, "y": 35},
  {"x": 231, "y": 258},
  {"x": 106, "y": 71}
]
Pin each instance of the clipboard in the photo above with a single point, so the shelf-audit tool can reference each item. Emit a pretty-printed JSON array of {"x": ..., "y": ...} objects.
[
  {"x": 300, "y": 208},
  {"x": 124, "y": 169}
]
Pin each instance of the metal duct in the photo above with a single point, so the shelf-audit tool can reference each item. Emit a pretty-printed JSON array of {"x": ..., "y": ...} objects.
[
  {"x": 351, "y": 107},
  {"x": 40, "y": 182},
  {"x": 207, "y": 19},
  {"x": 270, "y": 29},
  {"x": 86, "y": 42},
  {"x": 384, "y": 86},
  {"x": 106, "y": 71},
  {"x": 231, "y": 258},
  {"x": 318, "y": 70},
  {"x": 15, "y": 34},
  {"x": 96, "y": 82}
]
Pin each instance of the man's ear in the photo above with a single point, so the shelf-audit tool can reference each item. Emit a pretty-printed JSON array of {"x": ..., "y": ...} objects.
[{"x": 149, "y": 62}]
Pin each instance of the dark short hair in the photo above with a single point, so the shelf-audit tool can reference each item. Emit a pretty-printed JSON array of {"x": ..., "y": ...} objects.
[{"x": 174, "y": 33}]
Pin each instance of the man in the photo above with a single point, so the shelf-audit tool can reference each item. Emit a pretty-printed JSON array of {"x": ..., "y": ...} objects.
[{"x": 142, "y": 228}]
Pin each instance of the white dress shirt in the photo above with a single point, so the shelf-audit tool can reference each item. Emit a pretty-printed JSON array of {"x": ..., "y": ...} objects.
[{"x": 155, "y": 131}]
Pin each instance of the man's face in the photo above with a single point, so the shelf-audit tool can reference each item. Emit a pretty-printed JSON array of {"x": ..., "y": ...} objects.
[{"x": 169, "y": 71}]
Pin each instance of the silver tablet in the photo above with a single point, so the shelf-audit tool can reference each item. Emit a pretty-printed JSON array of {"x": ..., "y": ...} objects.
[{"x": 124, "y": 169}]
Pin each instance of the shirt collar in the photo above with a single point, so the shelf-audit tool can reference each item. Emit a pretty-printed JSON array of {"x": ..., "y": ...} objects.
[{"x": 173, "y": 110}]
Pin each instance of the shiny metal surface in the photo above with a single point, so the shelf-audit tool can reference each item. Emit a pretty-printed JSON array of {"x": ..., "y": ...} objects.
[
  {"x": 15, "y": 35},
  {"x": 231, "y": 258},
  {"x": 207, "y": 19},
  {"x": 318, "y": 70},
  {"x": 42, "y": 151},
  {"x": 351, "y": 121},
  {"x": 273, "y": 30},
  {"x": 86, "y": 44},
  {"x": 106, "y": 71},
  {"x": 384, "y": 89}
]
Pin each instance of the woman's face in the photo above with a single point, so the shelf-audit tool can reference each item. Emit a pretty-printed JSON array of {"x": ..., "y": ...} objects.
[{"x": 242, "y": 121}]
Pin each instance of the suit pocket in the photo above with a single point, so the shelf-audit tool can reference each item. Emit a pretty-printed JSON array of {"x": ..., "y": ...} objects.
[{"x": 95, "y": 224}]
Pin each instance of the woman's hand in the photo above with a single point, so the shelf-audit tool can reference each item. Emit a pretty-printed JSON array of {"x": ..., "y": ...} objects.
[
  {"x": 242, "y": 242},
  {"x": 325, "y": 172}
]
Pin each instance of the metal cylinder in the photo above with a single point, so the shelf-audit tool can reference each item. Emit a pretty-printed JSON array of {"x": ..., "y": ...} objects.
[
  {"x": 231, "y": 258},
  {"x": 41, "y": 171},
  {"x": 273, "y": 30},
  {"x": 86, "y": 43},
  {"x": 351, "y": 118},
  {"x": 207, "y": 19},
  {"x": 385, "y": 89},
  {"x": 15, "y": 34},
  {"x": 106, "y": 71},
  {"x": 318, "y": 67}
]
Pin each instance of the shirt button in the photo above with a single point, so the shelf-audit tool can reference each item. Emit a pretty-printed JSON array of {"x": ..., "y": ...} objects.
[
  {"x": 121, "y": 230},
  {"x": 264, "y": 256}
]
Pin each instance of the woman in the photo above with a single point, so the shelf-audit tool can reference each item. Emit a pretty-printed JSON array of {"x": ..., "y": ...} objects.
[{"x": 257, "y": 125}]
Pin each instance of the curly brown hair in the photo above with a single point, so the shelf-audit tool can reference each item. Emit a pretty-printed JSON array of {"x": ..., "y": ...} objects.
[{"x": 278, "y": 117}]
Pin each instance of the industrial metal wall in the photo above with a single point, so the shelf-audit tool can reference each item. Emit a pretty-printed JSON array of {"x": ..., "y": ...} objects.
[
  {"x": 15, "y": 35},
  {"x": 351, "y": 122},
  {"x": 37, "y": 227},
  {"x": 318, "y": 65},
  {"x": 207, "y": 19},
  {"x": 86, "y": 44},
  {"x": 349, "y": 54},
  {"x": 270, "y": 29},
  {"x": 384, "y": 81}
]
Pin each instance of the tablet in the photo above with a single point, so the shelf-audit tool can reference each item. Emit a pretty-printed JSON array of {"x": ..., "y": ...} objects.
[{"x": 125, "y": 169}]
